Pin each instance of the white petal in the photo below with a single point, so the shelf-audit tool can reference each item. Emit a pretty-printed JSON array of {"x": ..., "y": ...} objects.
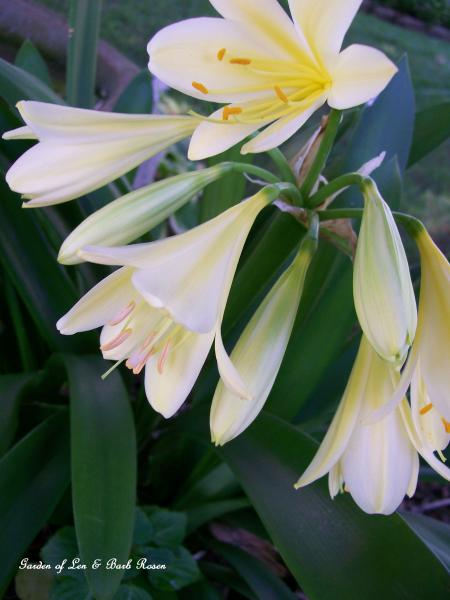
[
  {"x": 379, "y": 464},
  {"x": 257, "y": 356},
  {"x": 359, "y": 74},
  {"x": 186, "y": 52},
  {"x": 100, "y": 304},
  {"x": 190, "y": 275},
  {"x": 280, "y": 131},
  {"x": 228, "y": 371},
  {"x": 344, "y": 421},
  {"x": 324, "y": 23},
  {"x": 429, "y": 425},
  {"x": 167, "y": 391},
  {"x": 21, "y": 133},
  {"x": 211, "y": 138}
]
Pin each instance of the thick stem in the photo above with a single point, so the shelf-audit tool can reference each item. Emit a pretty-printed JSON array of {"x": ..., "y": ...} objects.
[
  {"x": 411, "y": 224},
  {"x": 282, "y": 164},
  {"x": 249, "y": 169},
  {"x": 323, "y": 153},
  {"x": 338, "y": 184}
]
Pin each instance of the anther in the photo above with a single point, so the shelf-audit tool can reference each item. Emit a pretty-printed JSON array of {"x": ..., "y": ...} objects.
[
  {"x": 446, "y": 425},
  {"x": 123, "y": 314},
  {"x": 117, "y": 341},
  {"x": 228, "y": 111},
  {"x": 281, "y": 95},
  {"x": 240, "y": 61},
  {"x": 163, "y": 357},
  {"x": 426, "y": 409},
  {"x": 200, "y": 87},
  {"x": 221, "y": 53}
]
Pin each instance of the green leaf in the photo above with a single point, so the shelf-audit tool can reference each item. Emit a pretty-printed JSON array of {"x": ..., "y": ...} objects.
[
  {"x": 103, "y": 449},
  {"x": 132, "y": 592},
  {"x": 40, "y": 281},
  {"x": 61, "y": 546},
  {"x": 203, "y": 513},
  {"x": 265, "y": 584},
  {"x": 432, "y": 128},
  {"x": 168, "y": 527},
  {"x": 202, "y": 590},
  {"x": 180, "y": 568},
  {"x": 32, "y": 480},
  {"x": 84, "y": 25},
  {"x": 30, "y": 59},
  {"x": 73, "y": 587},
  {"x": 16, "y": 84},
  {"x": 334, "y": 550},
  {"x": 11, "y": 391},
  {"x": 435, "y": 534},
  {"x": 137, "y": 97}
]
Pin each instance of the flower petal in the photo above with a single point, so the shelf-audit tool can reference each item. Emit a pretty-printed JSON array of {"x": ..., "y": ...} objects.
[
  {"x": 186, "y": 52},
  {"x": 281, "y": 130},
  {"x": 210, "y": 139},
  {"x": 324, "y": 23},
  {"x": 21, "y": 133},
  {"x": 359, "y": 74},
  {"x": 100, "y": 304},
  {"x": 228, "y": 372},
  {"x": 190, "y": 275},
  {"x": 167, "y": 391}
]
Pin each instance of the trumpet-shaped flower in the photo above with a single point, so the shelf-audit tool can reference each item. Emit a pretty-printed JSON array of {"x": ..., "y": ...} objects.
[
  {"x": 163, "y": 309},
  {"x": 430, "y": 354},
  {"x": 81, "y": 150},
  {"x": 127, "y": 218},
  {"x": 259, "y": 351},
  {"x": 267, "y": 69},
  {"x": 378, "y": 462},
  {"x": 383, "y": 291}
]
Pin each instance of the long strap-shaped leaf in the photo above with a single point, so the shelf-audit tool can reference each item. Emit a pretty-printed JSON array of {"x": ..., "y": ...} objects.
[
  {"x": 103, "y": 449},
  {"x": 334, "y": 550},
  {"x": 11, "y": 389},
  {"x": 33, "y": 476},
  {"x": 84, "y": 23}
]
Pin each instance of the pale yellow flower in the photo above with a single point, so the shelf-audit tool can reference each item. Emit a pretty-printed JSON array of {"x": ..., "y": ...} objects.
[
  {"x": 259, "y": 351},
  {"x": 267, "y": 69},
  {"x": 376, "y": 463},
  {"x": 163, "y": 309},
  {"x": 81, "y": 150}
]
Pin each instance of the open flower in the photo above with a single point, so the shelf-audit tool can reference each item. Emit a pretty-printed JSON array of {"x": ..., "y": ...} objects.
[
  {"x": 382, "y": 287},
  {"x": 259, "y": 351},
  {"x": 267, "y": 69},
  {"x": 377, "y": 463},
  {"x": 164, "y": 308},
  {"x": 81, "y": 150}
]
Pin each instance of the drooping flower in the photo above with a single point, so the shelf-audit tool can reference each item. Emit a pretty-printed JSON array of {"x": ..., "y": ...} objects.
[
  {"x": 376, "y": 463},
  {"x": 81, "y": 150},
  {"x": 266, "y": 69},
  {"x": 430, "y": 354},
  {"x": 259, "y": 351},
  {"x": 126, "y": 219},
  {"x": 382, "y": 287},
  {"x": 163, "y": 309}
]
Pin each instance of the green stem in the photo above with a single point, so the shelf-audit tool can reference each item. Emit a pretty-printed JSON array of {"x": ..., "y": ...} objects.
[
  {"x": 283, "y": 165},
  {"x": 411, "y": 224},
  {"x": 323, "y": 153},
  {"x": 335, "y": 186},
  {"x": 249, "y": 169}
]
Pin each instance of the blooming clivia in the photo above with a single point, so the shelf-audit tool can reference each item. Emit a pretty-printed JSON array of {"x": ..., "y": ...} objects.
[
  {"x": 81, "y": 150},
  {"x": 377, "y": 463},
  {"x": 268, "y": 70},
  {"x": 163, "y": 309}
]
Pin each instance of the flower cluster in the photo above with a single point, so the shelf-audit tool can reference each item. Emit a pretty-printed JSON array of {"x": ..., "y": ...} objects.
[{"x": 162, "y": 310}]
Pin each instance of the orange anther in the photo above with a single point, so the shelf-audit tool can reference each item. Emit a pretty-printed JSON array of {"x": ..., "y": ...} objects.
[
  {"x": 117, "y": 341},
  {"x": 228, "y": 111},
  {"x": 221, "y": 53},
  {"x": 446, "y": 425},
  {"x": 425, "y": 409},
  {"x": 200, "y": 87},
  {"x": 281, "y": 95},
  {"x": 123, "y": 314},
  {"x": 240, "y": 61},
  {"x": 163, "y": 357}
]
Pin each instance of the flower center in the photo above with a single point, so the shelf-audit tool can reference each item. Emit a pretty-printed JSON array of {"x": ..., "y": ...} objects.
[{"x": 292, "y": 87}]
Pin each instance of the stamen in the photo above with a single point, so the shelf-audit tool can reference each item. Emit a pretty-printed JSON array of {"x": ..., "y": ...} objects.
[
  {"x": 163, "y": 357},
  {"x": 240, "y": 61},
  {"x": 231, "y": 110},
  {"x": 138, "y": 368},
  {"x": 117, "y": 341},
  {"x": 221, "y": 53},
  {"x": 123, "y": 314},
  {"x": 426, "y": 409},
  {"x": 200, "y": 87},
  {"x": 446, "y": 425},
  {"x": 281, "y": 95}
]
